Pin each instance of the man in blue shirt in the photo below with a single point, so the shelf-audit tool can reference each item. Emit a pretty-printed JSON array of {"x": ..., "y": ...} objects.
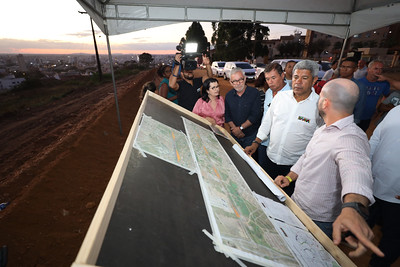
[
  {"x": 242, "y": 109},
  {"x": 373, "y": 90}
]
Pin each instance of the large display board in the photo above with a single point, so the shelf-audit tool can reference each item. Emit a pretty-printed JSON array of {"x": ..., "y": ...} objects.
[{"x": 177, "y": 185}]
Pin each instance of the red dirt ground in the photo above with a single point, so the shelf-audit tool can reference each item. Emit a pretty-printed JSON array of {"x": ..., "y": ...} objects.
[{"x": 55, "y": 163}]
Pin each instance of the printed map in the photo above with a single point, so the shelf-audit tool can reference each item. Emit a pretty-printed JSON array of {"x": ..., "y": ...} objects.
[
  {"x": 164, "y": 142},
  {"x": 237, "y": 215},
  {"x": 240, "y": 221}
]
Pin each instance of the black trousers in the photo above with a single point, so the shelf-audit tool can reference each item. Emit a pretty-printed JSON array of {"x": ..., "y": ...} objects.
[
  {"x": 274, "y": 170},
  {"x": 387, "y": 215}
]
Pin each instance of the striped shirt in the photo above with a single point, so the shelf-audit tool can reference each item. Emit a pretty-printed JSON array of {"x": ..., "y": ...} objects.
[{"x": 336, "y": 162}]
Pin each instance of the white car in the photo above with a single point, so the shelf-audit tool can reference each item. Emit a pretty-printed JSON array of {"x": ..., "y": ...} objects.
[
  {"x": 217, "y": 68},
  {"x": 249, "y": 71},
  {"x": 283, "y": 62}
]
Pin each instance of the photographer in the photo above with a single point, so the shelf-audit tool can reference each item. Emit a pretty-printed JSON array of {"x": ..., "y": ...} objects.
[{"x": 189, "y": 87}]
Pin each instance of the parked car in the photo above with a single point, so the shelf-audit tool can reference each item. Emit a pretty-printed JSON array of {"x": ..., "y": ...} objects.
[
  {"x": 217, "y": 68},
  {"x": 259, "y": 67},
  {"x": 283, "y": 62},
  {"x": 249, "y": 71}
]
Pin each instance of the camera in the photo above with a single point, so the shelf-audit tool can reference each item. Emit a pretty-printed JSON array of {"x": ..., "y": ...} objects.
[{"x": 189, "y": 52}]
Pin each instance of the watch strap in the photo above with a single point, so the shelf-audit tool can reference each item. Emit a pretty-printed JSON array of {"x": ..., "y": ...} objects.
[{"x": 360, "y": 208}]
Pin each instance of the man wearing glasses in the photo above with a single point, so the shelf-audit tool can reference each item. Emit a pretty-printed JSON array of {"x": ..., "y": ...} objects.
[{"x": 242, "y": 109}]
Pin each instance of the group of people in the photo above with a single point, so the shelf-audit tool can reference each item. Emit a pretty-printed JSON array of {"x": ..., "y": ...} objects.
[{"x": 311, "y": 145}]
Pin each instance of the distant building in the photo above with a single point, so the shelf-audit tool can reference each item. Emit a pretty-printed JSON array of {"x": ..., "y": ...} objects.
[
  {"x": 9, "y": 82},
  {"x": 21, "y": 63}
]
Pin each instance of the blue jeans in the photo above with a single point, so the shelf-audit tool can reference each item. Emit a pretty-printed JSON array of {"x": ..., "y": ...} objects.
[{"x": 326, "y": 227}]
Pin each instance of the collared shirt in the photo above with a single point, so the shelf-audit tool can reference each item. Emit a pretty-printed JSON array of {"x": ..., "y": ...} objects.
[
  {"x": 336, "y": 163},
  {"x": 204, "y": 109},
  {"x": 245, "y": 107},
  {"x": 290, "y": 125},
  {"x": 385, "y": 148},
  {"x": 267, "y": 102}
]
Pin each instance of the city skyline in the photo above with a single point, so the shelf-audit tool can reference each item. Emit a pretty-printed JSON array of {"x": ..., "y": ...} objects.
[{"x": 56, "y": 27}]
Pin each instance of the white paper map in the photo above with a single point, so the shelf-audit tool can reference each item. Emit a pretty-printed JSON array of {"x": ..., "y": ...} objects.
[
  {"x": 240, "y": 224},
  {"x": 236, "y": 216},
  {"x": 307, "y": 249},
  {"x": 164, "y": 142}
]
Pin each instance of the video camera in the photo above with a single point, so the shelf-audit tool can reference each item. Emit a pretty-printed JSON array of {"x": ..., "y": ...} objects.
[{"x": 189, "y": 52}]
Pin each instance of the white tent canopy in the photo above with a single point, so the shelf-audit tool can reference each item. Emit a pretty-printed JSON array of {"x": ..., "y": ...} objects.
[
  {"x": 341, "y": 18},
  {"x": 331, "y": 17}
]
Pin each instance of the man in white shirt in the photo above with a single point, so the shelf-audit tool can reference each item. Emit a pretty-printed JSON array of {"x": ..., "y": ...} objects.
[
  {"x": 361, "y": 72},
  {"x": 385, "y": 147},
  {"x": 289, "y": 72},
  {"x": 334, "y": 179},
  {"x": 329, "y": 73},
  {"x": 290, "y": 122},
  {"x": 275, "y": 78}
]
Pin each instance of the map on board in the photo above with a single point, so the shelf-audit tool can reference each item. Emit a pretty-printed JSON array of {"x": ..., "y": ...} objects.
[
  {"x": 307, "y": 249},
  {"x": 245, "y": 224},
  {"x": 237, "y": 218},
  {"x": 164, "y": 142}
]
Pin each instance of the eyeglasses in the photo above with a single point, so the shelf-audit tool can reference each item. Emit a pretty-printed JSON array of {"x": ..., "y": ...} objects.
[
  {"x": 214, "y": 87},
  {"x": 237, "y": 81}
]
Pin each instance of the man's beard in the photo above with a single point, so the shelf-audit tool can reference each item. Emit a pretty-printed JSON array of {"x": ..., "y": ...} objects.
[{"x": 187, "y": 77}]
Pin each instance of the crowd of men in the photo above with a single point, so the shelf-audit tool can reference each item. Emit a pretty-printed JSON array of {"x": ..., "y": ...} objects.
[{"x": 315, "y": 146}]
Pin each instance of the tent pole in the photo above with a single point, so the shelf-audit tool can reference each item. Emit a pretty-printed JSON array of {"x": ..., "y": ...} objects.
[
  {"x": 113, "y": 80},
  {"x": 344, "y": 45}
]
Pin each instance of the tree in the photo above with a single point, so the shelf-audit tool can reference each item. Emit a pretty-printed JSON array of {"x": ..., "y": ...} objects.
[
  {"x": 238, "y": 41},
  {"x": 292, "y": 49},
  {"x": 145, "y": 58},
  {"x": 318, "y": 47},
  {"x": 195, "y": 34}
]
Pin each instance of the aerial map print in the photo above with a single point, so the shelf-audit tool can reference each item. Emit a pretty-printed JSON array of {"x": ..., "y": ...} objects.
[
  {"x": 244, "y": 224},
  {"x": 164, "y": 142},
  {"x": 240, "y": 221}
]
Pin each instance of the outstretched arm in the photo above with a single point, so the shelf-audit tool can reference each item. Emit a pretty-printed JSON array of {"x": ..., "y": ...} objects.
[
  {"x": 206, "y": 61},
  {"x": 175, "y": 72},
  {"x": 395, "y": 84},
  {"x": 350, "y": 220}
]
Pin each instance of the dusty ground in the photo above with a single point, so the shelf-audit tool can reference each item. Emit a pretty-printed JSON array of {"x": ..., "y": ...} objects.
[{"x": 55, "y": 163}]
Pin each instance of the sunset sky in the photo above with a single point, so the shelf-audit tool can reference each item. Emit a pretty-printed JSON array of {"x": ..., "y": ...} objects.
[{"x": 56, "y": 27}]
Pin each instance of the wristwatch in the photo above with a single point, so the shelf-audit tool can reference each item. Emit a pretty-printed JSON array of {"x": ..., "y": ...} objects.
[
  {"x": 360, "y": 208},
  {"x": 241, "y": 128}
]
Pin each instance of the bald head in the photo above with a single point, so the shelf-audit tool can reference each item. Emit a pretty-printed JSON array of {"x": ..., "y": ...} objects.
[{"x": 343, "y": 94}]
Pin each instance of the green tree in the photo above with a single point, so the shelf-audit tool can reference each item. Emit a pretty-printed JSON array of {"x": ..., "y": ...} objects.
[
  {"x": 321, "y": 45},
  {"x": 238, "y": 41},
  {"x": 291, "y": 49},
  {"x": 195, "y": 34},
  {"x": 145, "y": 58}
]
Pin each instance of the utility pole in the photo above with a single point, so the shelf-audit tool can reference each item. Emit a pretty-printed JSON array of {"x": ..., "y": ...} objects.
[{"x": 95, "y": 48}]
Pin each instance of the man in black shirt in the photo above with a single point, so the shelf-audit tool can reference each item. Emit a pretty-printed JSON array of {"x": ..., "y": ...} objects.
[
  {"x": 242, "y": 109},
  {"x": 189, "y": 87}
]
